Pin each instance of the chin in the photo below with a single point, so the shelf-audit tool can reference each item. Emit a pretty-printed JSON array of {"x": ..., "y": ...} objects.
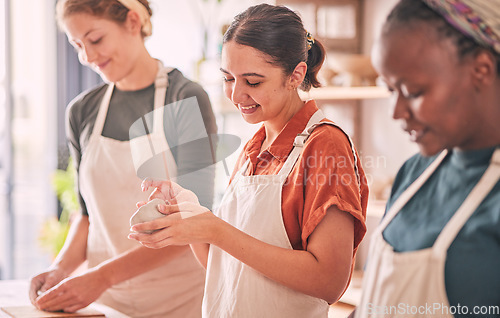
[
  {"x": 103, "y": 76},
  {"x": 251, "y": 120},
  {"x": 109, "y": 77},
  {"x": 429, "y": 151}
]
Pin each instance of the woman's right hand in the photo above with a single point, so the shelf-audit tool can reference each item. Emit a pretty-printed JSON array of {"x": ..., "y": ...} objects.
[
  {"x": 185, "y": 223},
  {"x": 45, "y": 281}
]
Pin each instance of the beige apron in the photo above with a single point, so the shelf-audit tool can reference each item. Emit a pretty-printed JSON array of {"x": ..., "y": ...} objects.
[
  {"x": 412, "y": 283},
  {"x": 253, "y": 205},
  {"x": 111, "y": 188}
]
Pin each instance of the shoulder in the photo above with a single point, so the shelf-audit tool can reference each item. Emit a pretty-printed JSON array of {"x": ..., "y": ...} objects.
[
  {"x": 408, "y": 173},
  {"x": 413, "y": 168},
  {"x": 86, "y": 102},
  {"x": 194, "y": 100},
  {"x": 330, "y": 139},
  {"x": 184, "y": 87}
]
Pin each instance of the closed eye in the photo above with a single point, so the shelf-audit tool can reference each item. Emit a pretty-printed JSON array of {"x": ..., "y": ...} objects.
[
  {"x": 96, "y": 41},
  {"x": 413, "y": 95},
  {"x": 253, "y": 84}
]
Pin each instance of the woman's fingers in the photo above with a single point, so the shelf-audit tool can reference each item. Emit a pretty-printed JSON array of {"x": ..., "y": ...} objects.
[
  {"x": 168, "y": 209},
  {"x": 35, "y": 286},
  {"x": 156, "y": 224},
  {"x": 54, "y": 299},
  {"x": 159, "y": 244},
  {"x": 157, "y": 194},
  {"x": 160, "y": 184},
  {"x": 164, "y": 189},
  {"x": 190, "y": 209},
  {"x": 154, "y": 240},
  {"x": 140, "y": 203}
]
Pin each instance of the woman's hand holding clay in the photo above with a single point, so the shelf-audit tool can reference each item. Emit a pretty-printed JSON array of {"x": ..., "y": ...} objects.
[{"x": 168, "y": 204}]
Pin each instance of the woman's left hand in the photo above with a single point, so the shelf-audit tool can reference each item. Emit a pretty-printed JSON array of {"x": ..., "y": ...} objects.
[
  {"x": 73, "y": 293},
  {"x": 184, "y": 223},
  {"x": 168, "y": 191}
]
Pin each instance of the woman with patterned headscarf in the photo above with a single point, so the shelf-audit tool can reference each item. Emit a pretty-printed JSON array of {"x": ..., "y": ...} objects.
[{"x": 436, "y": 252}]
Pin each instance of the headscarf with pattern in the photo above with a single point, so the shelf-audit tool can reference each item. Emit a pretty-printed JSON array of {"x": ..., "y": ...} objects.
[{"x": 478, "y": 19}]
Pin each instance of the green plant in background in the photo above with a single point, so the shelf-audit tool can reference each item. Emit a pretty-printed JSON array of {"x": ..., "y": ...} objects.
[{"x": 55, "y": 230}]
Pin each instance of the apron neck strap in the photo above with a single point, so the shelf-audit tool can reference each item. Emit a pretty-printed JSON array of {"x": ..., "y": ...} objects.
[
  {"x": 298, "y": 143},
  {"x": 300, "y": 140},
  {"x": 410, "y": 192},
  {"x": 161, "y": 85},
  {"x": 103, "y": 110},
  {"x": 469, "y": 206}
]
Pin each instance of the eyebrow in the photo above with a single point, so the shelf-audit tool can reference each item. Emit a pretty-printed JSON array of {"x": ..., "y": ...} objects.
[
  {"x": 244, "y": 74},
  {"x": 88, "y": 32},
  {"x": 84, "y": 36}
]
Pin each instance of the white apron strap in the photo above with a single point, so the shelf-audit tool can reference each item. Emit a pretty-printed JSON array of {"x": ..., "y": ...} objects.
[
  {"x": 300, "y": 140},
  {"x": 469, "y": 206},
  {"x": 298, "y": 143},
  {"x": 410, "y": 192},
  {"x": 241, "y": 172},
  {"x": 103, "y": 111},
  {"x": 161, "y": 85}
]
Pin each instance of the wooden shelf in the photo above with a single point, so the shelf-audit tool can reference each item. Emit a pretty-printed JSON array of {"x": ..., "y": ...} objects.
[{"x": 346, "y": 93}]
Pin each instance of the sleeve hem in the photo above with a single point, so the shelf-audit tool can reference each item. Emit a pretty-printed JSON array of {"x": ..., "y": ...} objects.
[{"x": 320, "y": 212}]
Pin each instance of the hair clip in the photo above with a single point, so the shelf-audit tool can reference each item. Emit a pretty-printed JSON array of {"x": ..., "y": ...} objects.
[{"x": 310, "y": 40}]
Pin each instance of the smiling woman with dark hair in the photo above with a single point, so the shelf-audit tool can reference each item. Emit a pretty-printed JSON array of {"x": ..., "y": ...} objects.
[
  {"x": 439, "y": 243},
  {"x": 283, "y": 241}
]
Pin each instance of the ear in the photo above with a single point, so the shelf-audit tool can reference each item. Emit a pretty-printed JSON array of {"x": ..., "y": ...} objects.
[
  {"x": 297, "y": 76},
  {"x": 133, "y": 22},
  {"x": 484, "y": 69}
]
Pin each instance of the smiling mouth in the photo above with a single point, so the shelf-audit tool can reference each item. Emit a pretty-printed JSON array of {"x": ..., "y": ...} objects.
[
  {"x": 416, "y": 135},
  {"x": 102, "y": 65},
  {"x": 249, "y": 107},
  {"x": 247, "y": 110}
]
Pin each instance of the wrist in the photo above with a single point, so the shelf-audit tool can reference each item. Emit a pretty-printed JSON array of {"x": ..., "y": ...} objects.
[
  {"x": 217, "y": 232},
  {"x": 105, "y": 275},
  {"x": 61, "y": 268}
]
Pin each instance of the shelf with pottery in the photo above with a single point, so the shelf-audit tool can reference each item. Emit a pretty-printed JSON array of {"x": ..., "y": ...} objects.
[{"x": 346, "y": 93}]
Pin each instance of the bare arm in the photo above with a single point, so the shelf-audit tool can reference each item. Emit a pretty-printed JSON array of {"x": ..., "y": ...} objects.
[
  {"x": 321, "y": 271},
  {"x": 135, "y": 262},
  {"x": 71, "y": 256},
  {"x": 116, "y": 270},
  {"x": 76, "y": 292},
  {"x": 74, "y": 251}
]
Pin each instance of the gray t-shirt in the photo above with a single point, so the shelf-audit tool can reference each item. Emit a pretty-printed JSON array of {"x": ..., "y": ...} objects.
[{"x": 184, "y": 122}]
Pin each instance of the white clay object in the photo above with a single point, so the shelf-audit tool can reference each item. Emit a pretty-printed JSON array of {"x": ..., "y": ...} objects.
[{"x": 147, "y": 212}]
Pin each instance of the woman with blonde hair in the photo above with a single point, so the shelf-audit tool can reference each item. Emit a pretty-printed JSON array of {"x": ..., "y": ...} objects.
[{"x": 109, "y": 37}]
